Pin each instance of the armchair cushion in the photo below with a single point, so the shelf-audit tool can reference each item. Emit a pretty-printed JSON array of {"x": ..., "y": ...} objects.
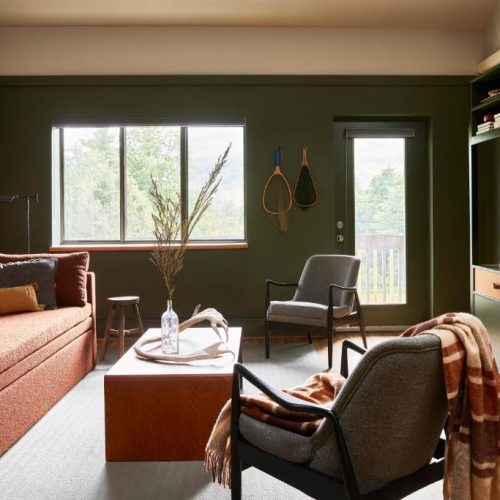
[
  {"x": 281, "y": 442},
  {"x": 303, "y": 313}
]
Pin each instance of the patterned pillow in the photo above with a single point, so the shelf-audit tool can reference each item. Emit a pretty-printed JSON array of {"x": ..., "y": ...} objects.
[
  {"x": 39, "y": 271},
  {"x": 19, "y": 299}
]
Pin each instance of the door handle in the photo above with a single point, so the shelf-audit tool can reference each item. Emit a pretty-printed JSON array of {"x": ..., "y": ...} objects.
[{"x": 340, "y": 239}]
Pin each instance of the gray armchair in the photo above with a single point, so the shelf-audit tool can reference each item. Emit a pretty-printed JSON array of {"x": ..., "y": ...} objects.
[
  {"x": 379, "y": 439},
  {"x": 325, "y": 298}
]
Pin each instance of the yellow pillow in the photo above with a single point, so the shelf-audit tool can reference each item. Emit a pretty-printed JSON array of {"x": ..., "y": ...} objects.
[{"x": 19, "y": 299}]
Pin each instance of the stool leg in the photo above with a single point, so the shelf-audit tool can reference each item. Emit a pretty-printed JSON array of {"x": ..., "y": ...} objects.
[
  {"x": 109, "y": 324},
  {"x": 121, "y": 333},
  {"x": 138, "y": 318}
]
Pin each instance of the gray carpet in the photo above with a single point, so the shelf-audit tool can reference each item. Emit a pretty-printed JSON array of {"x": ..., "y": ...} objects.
[{"x": 62, "y": 456}]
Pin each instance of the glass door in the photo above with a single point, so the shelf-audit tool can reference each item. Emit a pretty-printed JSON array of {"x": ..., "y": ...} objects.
[{"x": 382, "y": 216}]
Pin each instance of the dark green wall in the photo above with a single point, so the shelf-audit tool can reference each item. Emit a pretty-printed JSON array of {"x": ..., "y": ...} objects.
[{"x": 287, "y": 111}]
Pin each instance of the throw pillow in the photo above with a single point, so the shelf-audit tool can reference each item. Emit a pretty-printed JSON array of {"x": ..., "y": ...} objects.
[
  {"x": 19, "y": 299},
  {"x": 41, "y": 271},
  {"x": 71, "y": 276}
]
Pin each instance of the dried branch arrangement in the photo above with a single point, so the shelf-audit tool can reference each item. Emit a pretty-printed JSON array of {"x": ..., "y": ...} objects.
[{"x": 171, "y": 231}]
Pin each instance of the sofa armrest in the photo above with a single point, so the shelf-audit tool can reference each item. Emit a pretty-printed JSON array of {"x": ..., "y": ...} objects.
[
  {"x": 91, "y": 299},
  {"x": 91, "y": 290}
]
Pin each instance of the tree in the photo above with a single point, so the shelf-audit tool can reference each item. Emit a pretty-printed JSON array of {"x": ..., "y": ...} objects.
[{"x": 380, "y": 208}]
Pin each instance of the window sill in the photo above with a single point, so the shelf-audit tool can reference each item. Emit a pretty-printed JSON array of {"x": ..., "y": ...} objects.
[{"x": 143, "y": 247}]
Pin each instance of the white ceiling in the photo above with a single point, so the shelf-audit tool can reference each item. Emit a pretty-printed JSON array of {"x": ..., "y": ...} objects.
[{"x": 445, "y": 14}]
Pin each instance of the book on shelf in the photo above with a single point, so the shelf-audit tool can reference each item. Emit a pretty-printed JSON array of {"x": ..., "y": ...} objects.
[{"x": 486, "y": 126}]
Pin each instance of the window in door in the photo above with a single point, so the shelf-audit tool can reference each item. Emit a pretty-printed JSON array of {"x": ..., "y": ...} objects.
[{"x": 380, "y": 232}]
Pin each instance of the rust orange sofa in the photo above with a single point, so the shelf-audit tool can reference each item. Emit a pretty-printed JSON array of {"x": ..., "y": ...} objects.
[{"x": 42, "y": 356}]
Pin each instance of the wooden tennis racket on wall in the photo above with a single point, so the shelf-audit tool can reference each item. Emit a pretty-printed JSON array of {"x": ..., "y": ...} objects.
[
  {"x": 277, "y": 195},
  {"x": 305, "y": 194}
]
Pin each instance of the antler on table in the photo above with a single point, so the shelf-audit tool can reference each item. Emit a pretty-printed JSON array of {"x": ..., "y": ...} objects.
[{"x": 213, "y": 351}]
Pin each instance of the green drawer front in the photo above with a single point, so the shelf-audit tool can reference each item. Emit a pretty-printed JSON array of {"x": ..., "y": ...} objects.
[{"x": 488, "y": 311}]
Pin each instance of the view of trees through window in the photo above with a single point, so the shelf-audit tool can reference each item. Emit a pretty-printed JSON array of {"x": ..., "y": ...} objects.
[
  {"x": 92, "y": 183},
  {"x": 379, "y": 192},
  {"x": 93, "y": 172},
  {"x": 150, "y": 151}
]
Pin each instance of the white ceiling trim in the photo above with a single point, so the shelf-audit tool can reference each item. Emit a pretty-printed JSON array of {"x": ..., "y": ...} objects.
[
  {"x": 445, "y": 14},
  {"x": 237, "y": 51}
]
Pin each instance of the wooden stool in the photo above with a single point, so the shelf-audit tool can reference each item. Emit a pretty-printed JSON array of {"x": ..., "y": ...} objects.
[{"x": 121, "y": 303}]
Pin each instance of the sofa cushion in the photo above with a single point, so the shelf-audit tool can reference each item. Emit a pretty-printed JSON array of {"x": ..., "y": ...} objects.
[
  {"x": 40, "y": 271},
  {"x": 303, "y": 313},
  {"x": 19, "y": 299},
  {"x": 22, "y": 334},
  {"x": 21, "y": 368},
  {"x": 71, "y": 275}
]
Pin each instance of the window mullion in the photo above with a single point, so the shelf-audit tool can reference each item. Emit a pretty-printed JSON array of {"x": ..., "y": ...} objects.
[
  {"x": 62, "y": 236},
  {"x": 184, "y": 173},
  {"x": 123, "y": 191}
]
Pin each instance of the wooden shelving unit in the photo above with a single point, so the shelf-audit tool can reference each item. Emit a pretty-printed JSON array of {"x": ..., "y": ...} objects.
[{"x": 485, "y": 206}]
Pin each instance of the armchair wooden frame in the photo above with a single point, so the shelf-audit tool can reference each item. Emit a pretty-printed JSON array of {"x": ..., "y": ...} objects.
[
  {"x": 356, "y": 316},
  {"x": 309, "y": 481}
]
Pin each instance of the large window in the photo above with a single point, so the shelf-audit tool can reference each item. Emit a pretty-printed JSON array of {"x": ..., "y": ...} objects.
[{"x": 102, "y": 177}]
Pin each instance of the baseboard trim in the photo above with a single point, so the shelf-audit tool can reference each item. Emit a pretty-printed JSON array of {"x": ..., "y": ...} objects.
[{"x": 255, "y": 327}]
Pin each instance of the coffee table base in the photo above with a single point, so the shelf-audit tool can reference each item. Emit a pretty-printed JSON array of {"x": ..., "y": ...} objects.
[{"x": 154, "y": 418}]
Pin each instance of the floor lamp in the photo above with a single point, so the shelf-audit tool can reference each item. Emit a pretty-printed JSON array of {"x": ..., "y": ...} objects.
[{"x": 7, "y": 198}]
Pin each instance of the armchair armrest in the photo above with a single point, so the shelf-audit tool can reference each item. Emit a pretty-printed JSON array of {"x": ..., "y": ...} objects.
[
  {"x": 277, "y": 283},
  {"x": 286, "y": 400},
  {"x": 340, "y": 287},
  {"x": 268, "y": 290},
  {"x": 347, "y": 344},
  {"x": 344, "y": 288}
]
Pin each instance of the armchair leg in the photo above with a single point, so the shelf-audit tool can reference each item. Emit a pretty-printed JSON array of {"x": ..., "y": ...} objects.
[
  {"x": 331, "y": 331},
  {"x": 267, "y": 337},
  {"x": 361, "y": 319},
  {"x": 309, "y": 338},
  {"x": 362, "y": 327},
  {"x": 235, "y": 480}
]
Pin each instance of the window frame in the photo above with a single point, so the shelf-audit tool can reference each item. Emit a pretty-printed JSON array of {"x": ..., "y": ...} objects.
[{"x": 58, "y": 238}]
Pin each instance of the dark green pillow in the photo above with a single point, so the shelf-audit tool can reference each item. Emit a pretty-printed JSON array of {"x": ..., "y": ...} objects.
[{"x": 41, "y": 271}]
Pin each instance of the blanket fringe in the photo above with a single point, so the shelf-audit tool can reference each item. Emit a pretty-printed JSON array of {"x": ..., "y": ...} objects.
[{"x": 219, "y": 466}]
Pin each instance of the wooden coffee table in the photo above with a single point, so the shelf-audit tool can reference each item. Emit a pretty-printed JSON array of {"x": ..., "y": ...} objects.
[{"x": 155, "y": 411}]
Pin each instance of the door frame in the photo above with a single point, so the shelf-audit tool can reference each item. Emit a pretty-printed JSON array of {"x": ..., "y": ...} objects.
[{"x": 417, "y": 215}]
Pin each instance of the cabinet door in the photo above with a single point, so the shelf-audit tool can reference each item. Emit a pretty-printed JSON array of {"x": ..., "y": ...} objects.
[{"x": 488, "y": 311}]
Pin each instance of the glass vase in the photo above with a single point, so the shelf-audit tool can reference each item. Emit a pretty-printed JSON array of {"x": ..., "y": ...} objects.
[{"x": 169, "y": 331}]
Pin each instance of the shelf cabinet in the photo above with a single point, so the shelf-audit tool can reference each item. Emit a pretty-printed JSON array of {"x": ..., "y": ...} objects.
[
  {"x": 485, "y": 207},
  {"x": 481, "y": 103}
]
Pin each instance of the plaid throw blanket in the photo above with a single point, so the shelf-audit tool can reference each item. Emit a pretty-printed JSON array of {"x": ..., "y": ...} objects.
[
  {"x": 321, "y": 388},
  {"x": 472, "y": 466}
]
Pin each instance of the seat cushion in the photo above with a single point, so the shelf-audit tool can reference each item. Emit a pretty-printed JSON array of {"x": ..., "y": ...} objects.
[
  {"x": 303, "y": 313},
  {"x": 280, "y": 442},
  {"x": 23, "y": 333}
]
